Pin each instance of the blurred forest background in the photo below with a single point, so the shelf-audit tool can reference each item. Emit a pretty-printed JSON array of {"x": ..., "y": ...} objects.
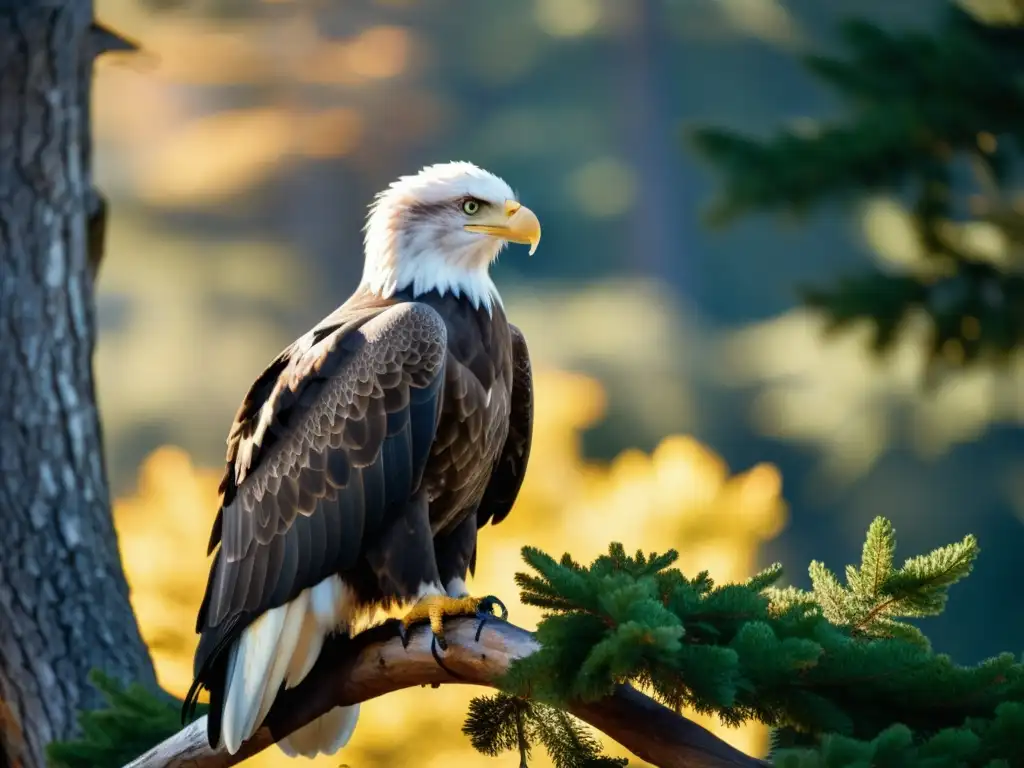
[{"x": 679, "y": 378}]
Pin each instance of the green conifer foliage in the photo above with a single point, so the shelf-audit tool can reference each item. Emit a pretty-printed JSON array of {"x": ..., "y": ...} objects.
[
  {"x": 921, "y": 108},
  {"x": 843, "y": 679},
  {"x": 133, "y": 721},
  {"x": 502, "y": 723}
]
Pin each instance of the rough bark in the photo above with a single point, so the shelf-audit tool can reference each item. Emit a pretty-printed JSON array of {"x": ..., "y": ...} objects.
[
  {"x": 64, "y": 607},
  {"x": 374, "y": 663}
]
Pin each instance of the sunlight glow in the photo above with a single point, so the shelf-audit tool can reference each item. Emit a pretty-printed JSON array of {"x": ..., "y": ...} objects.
[
  {"x": 766, "y": 20},
  {"x": 604, "y": 187},
  {"x": 379, "y": 52},
  {"x": 567, "y": 18},
  {"x": 832, "y": 393}
]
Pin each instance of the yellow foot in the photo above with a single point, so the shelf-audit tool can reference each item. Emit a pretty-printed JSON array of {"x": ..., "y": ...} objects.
[{"x": 434, "y": 608}]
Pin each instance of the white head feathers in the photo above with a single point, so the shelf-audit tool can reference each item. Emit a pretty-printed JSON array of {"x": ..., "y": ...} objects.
[{"x": 415, "y": 235}]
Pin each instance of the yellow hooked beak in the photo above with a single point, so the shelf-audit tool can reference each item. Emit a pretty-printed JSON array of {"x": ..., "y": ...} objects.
[{"x": 517, "y": 224}]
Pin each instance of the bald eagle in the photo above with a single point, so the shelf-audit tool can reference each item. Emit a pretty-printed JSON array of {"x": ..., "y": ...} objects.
[{"x": 366, "y": 456}]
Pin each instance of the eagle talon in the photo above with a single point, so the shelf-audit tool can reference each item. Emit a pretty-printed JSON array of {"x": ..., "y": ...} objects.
[
  {"x": 440, "y": 642},
  {"x": 485, "y": 612},
  {"x": 483, "y": 617},
  {"x": 488, "y": 603},
  {"x": 403, "y": 634},
  {"x": 434, "y": 644},
  {"x": 434, "y": 608}
]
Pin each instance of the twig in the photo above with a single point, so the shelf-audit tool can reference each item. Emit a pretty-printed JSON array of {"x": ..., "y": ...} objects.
[
  {"x": 374, "y": 663},
  {"x": 524, "y": 746},
  {"x": 103, "y": 39}
]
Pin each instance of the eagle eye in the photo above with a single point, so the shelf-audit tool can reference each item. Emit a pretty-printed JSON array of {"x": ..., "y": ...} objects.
[{"x": 470, "y": 206}]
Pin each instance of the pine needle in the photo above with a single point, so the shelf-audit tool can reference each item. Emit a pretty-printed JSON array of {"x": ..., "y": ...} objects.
[{"x": 835, "y": 671}]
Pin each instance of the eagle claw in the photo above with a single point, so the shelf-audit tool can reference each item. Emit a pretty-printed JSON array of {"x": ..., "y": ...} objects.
[
  {"x": 484, "y": 611},
  {"x": 486, "y": 605},
  {"x": 439, "y": 642},
  {"x": 435, "y": 608}
]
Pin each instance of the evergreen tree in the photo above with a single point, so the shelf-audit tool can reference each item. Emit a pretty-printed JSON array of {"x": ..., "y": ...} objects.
[
  {"x": 924, "y": 111},
  {"x": 839, "y": 672}
]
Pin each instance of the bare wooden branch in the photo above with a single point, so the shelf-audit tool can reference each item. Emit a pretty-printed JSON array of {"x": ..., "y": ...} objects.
[
  {"x": 103, "y": 39},
  {"x": 374, "y": 663},
  {"x": 100, "y": 40}
]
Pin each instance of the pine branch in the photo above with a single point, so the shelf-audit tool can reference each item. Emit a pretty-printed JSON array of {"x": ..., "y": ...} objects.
[
  {"x": 876, "y": 594},
  {"x": 113, "y": 735},
  {"x": 765, "y": 579},
  {"x": 974, "y": 743},
  {"x": 502, "y": 723},
  {"x": 836, "y": 660},
  {"x": 374, "y": 663},
  {"x": 919, "y": 103},
  {"x": 569, "y": 745},
  {"x": 796, "y": 171},
  {"x": 922, "y": 584},
  {"x": 877, "y": 558},
  {"x": 494, "y": 724},
  {"x": 521, "y": 740}
]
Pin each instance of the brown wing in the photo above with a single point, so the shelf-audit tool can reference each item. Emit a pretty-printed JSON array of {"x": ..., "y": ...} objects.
[
  {"x": 508, "y": 474},
  {"x": 331, "y": 437}
]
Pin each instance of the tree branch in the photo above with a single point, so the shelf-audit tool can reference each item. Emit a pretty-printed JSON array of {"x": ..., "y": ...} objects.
[
  {"x": 103, "y": 39},
  {"x": 100, "y": 41},
  {"x": 374, "y": 663}
]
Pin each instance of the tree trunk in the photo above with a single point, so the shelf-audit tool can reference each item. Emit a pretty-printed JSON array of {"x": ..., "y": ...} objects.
[
  {"x": 64, "y": 607},
  {"x": 658, "y": 236}
]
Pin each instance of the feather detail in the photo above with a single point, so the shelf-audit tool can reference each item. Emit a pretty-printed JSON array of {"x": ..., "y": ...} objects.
[
  {"x": 415, "y": 237},
  {"x": 307, "y": 650},
  {"x": 282, "y": 646},
  {"x": 332, "y": 608},
  {"x": 252, "y": 659},
  {"x": 294, "y": 622},
  {"x": 370, "y": 379},
  {"x": 325, "y": 735}
]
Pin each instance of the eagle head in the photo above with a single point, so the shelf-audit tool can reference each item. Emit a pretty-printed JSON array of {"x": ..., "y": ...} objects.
[{"x": 440, "y": 230}]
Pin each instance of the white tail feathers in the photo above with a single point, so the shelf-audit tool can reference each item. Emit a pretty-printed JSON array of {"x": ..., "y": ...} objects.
[
  {"x": 327, "y": 734},
  {"x": 281, "y": 647}
]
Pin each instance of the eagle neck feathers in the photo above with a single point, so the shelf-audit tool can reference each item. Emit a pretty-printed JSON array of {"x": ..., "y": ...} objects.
[
  {"x": 422, "y": 260},
  {"x": 429, "y": 274}
]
